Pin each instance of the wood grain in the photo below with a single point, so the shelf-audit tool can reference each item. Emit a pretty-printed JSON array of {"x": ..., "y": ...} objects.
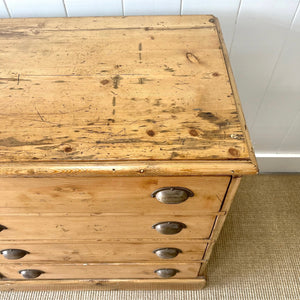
[
  {"x": 118, "y": 168},
  {"x": 100, "y": 271},
  {"x": 71, "y": 99},
  {"x": 101, "y": 226},
  {"x": 108, "y": 195},
  {"x": 104, "y": 251},
  {"x": 109, "y": 284},
  {"x": 96, "y": 114}
]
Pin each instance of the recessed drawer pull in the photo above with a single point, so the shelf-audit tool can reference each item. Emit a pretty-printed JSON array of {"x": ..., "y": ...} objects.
[
  {"x": 2, "y": 228},
  {"x": 30, "y": 273},
  {"x": 166, "y": 273},
  {"x": 167, "y": 253},
  {"x": 13, "y": 253},
  {"x": 168, "y": 227},
  {"x": 172, "y": 195}
]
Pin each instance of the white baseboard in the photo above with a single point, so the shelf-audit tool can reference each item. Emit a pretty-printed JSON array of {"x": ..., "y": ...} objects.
[{"x": 278, "y": 163}]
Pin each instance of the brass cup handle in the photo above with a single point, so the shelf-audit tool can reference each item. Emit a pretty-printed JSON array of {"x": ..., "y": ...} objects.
[
  {"x": 168, "y": 227},
  {"x": 167, "y": 253},
  {"x": 2, "y": 227},
  {"x": 13, "y": 253},
  {"x": 30, "y": 273},
  {"x": 166, "y": 273},
  {"x": 172, "y": 195}
]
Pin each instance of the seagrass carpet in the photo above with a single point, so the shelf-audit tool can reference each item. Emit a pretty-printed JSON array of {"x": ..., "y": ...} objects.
[{"x": 256, "y": 257}]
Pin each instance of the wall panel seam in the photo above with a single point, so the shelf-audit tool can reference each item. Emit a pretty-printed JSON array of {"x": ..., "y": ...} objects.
[
  {"x": 123, "y": 9},
  {"x": 298, "y": 114},
  {"x": 274, "y": 68},
  {"x": 7, "y": 9},
  {"x": 181, "y": 3},
  {"x": 235, "y": 26},
  {"x": 288, "y": 131},
  {"x": 65, "y": 8}
]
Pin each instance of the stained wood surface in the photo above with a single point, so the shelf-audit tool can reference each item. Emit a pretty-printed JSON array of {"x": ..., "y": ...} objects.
[
  {"x": 85, "y": 252},
  {"x": 116, "y": 270},
  {"x": 101, "y": 226},
  {"x": 109, "y": 284},
  {"x": 108, "y": 195},
  {"x": 125, "y": 168},
  {"x": 106, "y": 89}
]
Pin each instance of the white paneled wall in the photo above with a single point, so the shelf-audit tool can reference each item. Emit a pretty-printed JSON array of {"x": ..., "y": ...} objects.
[
  {"x": 263, "y": 38},
  {"x": 151, "y": 7},
  {"x": 275, "y": 120},
  {"x": 79, "y": 8},
  {"x": 226, "y": 10},
  {"x": 291, "y": 82},
  {"x": 35, "y": 8},
  {"x": 3, "y": 10},
  {"x": 261, "y": 31}
]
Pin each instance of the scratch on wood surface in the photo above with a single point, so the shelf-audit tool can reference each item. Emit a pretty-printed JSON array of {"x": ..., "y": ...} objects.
[
  {"x": 140, "y": 52},
  {"x": 208, "y": 116},
  {"x": 116, "y": 80},
  {"x": 41, "y": 117},
  {"x": 168, "y": 69},
  {"x": 62, "y": 228},
  {"x": 12, "y": 142},
  {"x": 174, "y": 154},
  {"x": 220, "y": 199},
  {"x": 114, "y": 104},
  {"x": 14, "y": 79}
]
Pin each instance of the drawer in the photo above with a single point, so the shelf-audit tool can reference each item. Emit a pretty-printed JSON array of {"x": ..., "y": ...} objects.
[
  {"x": 103, "y": 271},
  {"x": 108, "y": 194},
  {"x": 102, "y": 252},
  {"x": 101, "y": 227}
]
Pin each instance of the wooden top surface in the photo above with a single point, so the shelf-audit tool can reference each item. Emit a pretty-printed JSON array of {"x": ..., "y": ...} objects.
[{"x": 118, "y": 89}]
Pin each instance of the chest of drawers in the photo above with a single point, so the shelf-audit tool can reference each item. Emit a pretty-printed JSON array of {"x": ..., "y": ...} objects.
[{"x": 122, "y": 144}]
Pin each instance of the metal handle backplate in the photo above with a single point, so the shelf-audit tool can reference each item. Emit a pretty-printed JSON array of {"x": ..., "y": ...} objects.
[
  {"x": 13, "y": 253},
  {"x": 172, "y": 195},
  {"x": 167, "y": 253},
  {"x": 30, "y": 273},
  {"x": 168, "y": 227},
  {"x": 2, "y": 227},
  {"x": 166, "y": 273}
]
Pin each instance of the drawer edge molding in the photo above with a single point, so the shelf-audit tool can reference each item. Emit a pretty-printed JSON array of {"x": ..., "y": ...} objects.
[{"x": 128, "y": 168}]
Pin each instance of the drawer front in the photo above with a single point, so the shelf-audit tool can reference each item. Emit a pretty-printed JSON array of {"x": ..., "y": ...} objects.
[
  {"x": 108, "y": 194},
  {"x": 102, "y": 252},
  {"x": 100, "y": 271},
  {"x": 99, "y": 227}
]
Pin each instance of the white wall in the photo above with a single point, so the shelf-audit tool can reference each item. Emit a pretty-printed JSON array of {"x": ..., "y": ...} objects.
[{"x": 263, "y": 39}]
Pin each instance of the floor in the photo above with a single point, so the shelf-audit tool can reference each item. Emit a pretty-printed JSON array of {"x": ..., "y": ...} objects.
[{"x": 256, "y": 257}]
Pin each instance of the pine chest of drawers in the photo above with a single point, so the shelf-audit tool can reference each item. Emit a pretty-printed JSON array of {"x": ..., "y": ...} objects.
[{"x": 122, "y": 144}]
